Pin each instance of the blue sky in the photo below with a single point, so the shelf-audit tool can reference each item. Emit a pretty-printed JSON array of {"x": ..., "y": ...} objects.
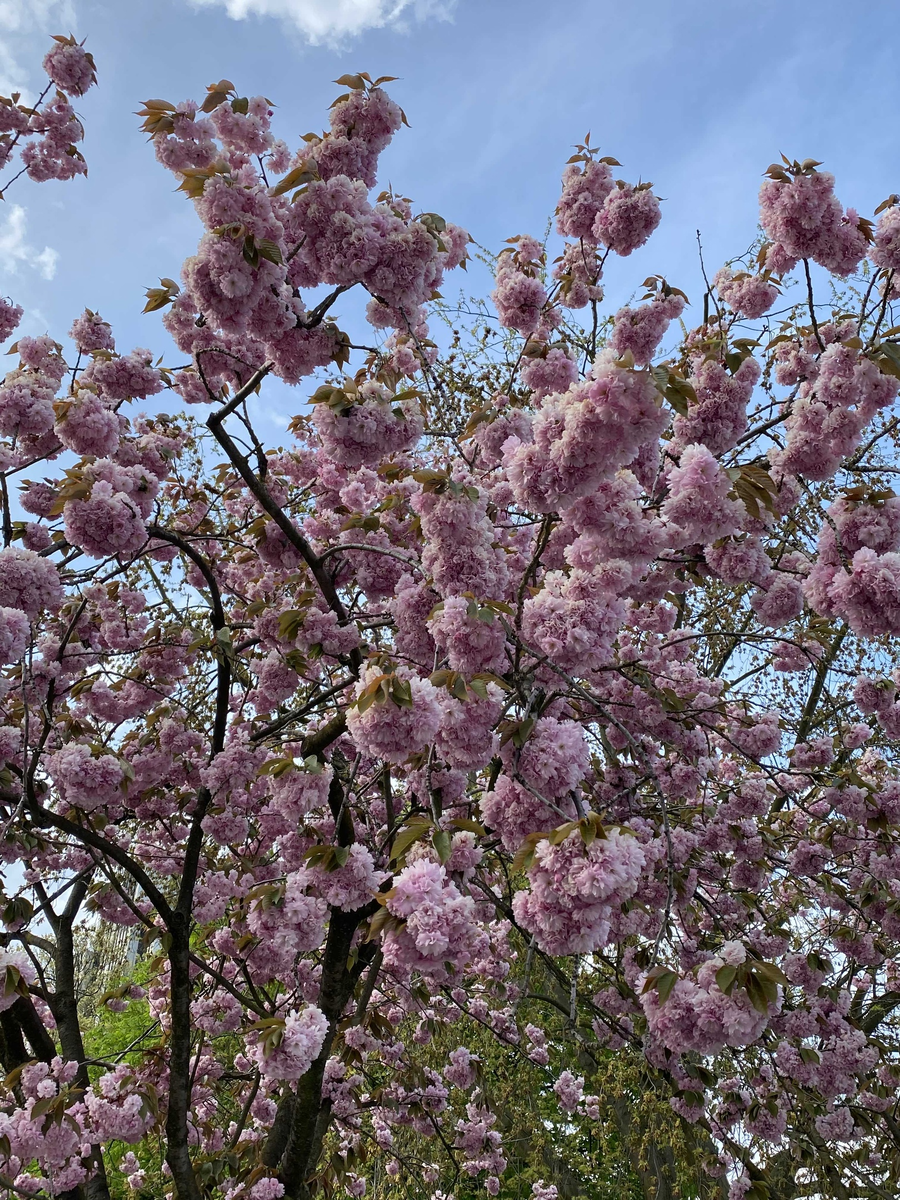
[{"x": 698, "y": 98}]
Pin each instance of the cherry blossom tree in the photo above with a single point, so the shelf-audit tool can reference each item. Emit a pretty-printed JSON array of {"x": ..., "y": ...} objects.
[{"x": 532, "y": 703}]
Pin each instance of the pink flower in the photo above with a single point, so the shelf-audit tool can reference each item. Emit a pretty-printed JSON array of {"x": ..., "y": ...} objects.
[
  {"x": 362, "y": 125},
  {"x": 106, "y": 523},
  {"x": 746, "y": 295},
  {"x": 578, "y": 271},
  {"x": 26, "y": 404},
  {"x": 85, "y": 781},
  {"x": 440, "y": 927},
  {"x": 719, "y": 417},
  {"x": 466, "y": 739},
  {"x": 471, "y": 635},
  {"x": 14, "y": 966},
  {"x": 460, "y": 551},
  {"x": 87, "y": 426},
  {"x": 569, "y": 1091},
  {"x": 390, "y": 728},
  {"x": 574, "y": 889},
  {"x": 131, "y": 377},
  {"x": 628, "y": 217},
  {"x": 698, "y": 502},
  {"x": 70, "y": 67},
  {"x": 302, "y": 1039},
  {"x": 28, "y": 581},
  {"x": 780, "y": 602},
  {"x": 869, "y": 595},
  {"x": 697, "y": 1016},
  {"x": 739, "y": 561},
  {"x": 14, "y": 634},
  {"x": 639, "y": 331},
  {"x": 368, "y": 432},
  {"x": 117, "y": 1109},
  {"x": 411, "y": 606},
  {"x": 10, "y": 316},
  {"x": 247, "y": 132},
  {"x": 554, "y": 760},
  {"x": 554, "y": 371},
  {"x": 585, "y": 188},
  {"x": 513, "y": 811},
  {"x": 584, "y": 436},
  {"x": 760, "y": 739},
  {"x": 827, "y": 419},
  {"x": 519, "y": 299},
  {"x": 90, "y": 332},
  {"x": 805, "y": 219},
  {"x": 886, "y": 251},
  {"x": 351, "y": 886},
  {"x": 574, "y": 620},
  {"x": 461, "y": 1070}
]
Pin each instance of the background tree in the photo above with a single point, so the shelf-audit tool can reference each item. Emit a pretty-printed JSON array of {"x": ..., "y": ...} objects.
[{"x": 526, "y": 716}]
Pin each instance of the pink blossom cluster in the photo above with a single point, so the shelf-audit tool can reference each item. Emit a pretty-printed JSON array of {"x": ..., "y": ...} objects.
[
  {"x": 391, "y": 730},
  {"x": 439, "y": 937},
  {"x": 84, "y": 780},
  {"x": 826, "y": 420},
  {"x": 370, "y": 431},
  {"x": 302, "y": 1039},
  {"x": 698, "y": 1016},
  {"x": 582, "y": 436},
  {"x": 638, "y": 331},
  {"x": 14, "y": 634},
  {"x": 520, "y": 295},
  {"x": 748, "y": 296},
  {"x": 804, "y": 219},
  {"x": 117, "y": 1108},
  {"x": 698, "y": 503},
  {"x": 70, "y": 66},
  {"x": 718, "y": 419},
  {"x": 28, "y": 582},
  {"x": 459, "y": 553},
  {"x": 572, "y": 878}
]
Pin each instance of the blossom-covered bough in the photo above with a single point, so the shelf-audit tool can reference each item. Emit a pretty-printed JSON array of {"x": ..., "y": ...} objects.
[{"x": 539, "y": 691}]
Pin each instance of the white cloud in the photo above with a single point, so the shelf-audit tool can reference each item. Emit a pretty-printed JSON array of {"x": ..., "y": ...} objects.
[
  {"x": 15, "y": 252},
  {"x": 332, "y": 21},
  {"x": 23, "y": 26}
]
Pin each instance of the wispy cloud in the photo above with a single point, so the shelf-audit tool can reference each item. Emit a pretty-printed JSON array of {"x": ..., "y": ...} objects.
[
  {"x": 20, "y": 23},
  {"x": 334, "y": 21},
  {"x": 15, "y": 251}
]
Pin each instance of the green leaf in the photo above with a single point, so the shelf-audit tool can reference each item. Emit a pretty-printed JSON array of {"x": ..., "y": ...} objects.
[
  {"x": 217, "y": 93},
  {"x": 441, "y": 842},
  {"x": 401, "y": 692},
  {"x": 664, "y": 985},
  {"x": 525, "y": 854},
  {"x": 417, "y": 828},
  {"x": 757, "y": 995},
  {"x": 771, "y": 972},
  {"x": 320, "y": 856},
  {"x": 195, "y": 179},
  {"x": 465, "y": 823},
  {"x": 304, "y": 173},
  {"x": 158, "y": 298},
  {"x": 382, "y": 921},
  {"x": 725, "y": 977},
  {"x": 269, "y": 250}
]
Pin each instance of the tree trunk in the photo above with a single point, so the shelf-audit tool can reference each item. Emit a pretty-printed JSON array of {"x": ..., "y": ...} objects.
[
  {"x": 177, "y": 1152},
  {"x": 64, "y": 1006}
]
